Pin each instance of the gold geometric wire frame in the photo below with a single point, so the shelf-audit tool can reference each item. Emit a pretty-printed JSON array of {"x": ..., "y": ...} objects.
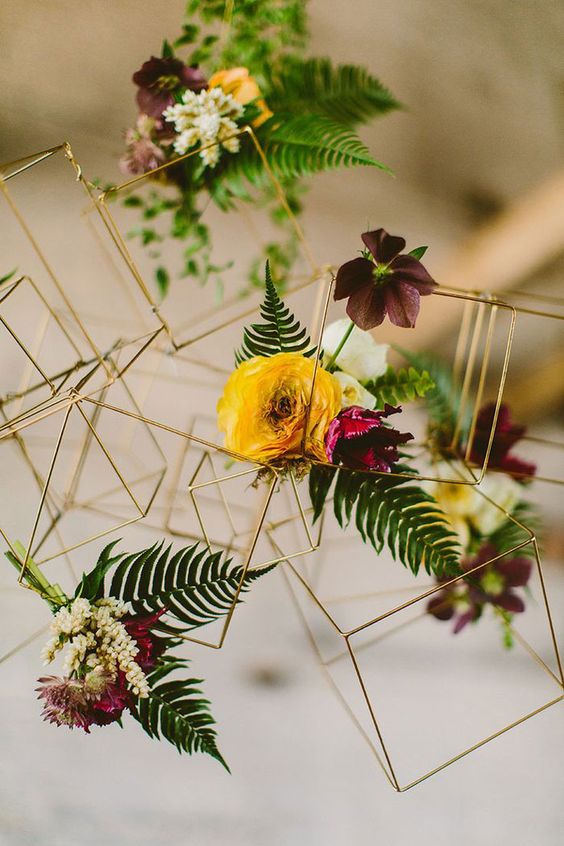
[
  {"x": 541, "y": 306},
  {"x": 106, "y": 198},
  {"x": 57, "y": 507},
  {"x": 381, "y": 750},
  {"x": 465, "y": 371}
]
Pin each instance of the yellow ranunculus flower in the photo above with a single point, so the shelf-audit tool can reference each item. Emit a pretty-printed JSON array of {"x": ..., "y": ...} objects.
[
  {"x": 243, "y": 88},
  {"x": 264, "y": 405}
]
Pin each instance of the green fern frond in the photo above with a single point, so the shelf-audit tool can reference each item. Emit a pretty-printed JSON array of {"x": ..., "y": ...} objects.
[
  {"x": 194, "y": 585},
  {"x": 320, "y": 480},
  {"x": 176, "y": 711},
  {"x": 280, "y": 332},
  {"x": 348, "y": 94},
  {"x": 297, "y": 146},
  {"x": 389, "y": 511},
  {"x": 443, "y": 401},
  {"x": 398, "y": 386}
]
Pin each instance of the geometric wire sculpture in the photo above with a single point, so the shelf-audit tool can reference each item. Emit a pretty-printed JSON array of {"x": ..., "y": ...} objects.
[{"x": 360, "y": 633}]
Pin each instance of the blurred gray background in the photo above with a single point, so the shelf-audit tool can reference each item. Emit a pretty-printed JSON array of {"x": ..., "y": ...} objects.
[{"x": 477, "y": 154}]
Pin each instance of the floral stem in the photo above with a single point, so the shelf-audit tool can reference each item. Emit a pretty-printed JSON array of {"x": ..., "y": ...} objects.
[
  {"x": 34, "y": 577},
  {"x": 331, "y": 363}
]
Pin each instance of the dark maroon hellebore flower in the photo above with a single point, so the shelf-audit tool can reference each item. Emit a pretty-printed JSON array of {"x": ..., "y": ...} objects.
[
  {"x": 357, "y": 438},
  {"x": 506, "y": 436},
  {"x": 159, "y": 77},
  {"x": 389, "y": 283},
  {"x": 464, "y": 601}
]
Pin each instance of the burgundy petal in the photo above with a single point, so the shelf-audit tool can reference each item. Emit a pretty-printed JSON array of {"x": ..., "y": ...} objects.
[
  {"x": 352, "y": 276},
  {"x": 515, "y": 571},
  {"x": 367, "y": 307},
  {"x": 510, "y": 602},
  {"x": 402, "y": 303},
  {"x": 516, "y": 467},
  {"x": 463, "y": 620},
  {"x": 409, "y": 269},
  {"x": 440, "y": 606},
  {"x": 383, "y": 247},
  {"x": 193, "y": 78},
  {"x": 153, "y": 102}
]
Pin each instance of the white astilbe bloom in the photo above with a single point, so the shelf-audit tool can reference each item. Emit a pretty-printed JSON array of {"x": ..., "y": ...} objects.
[
  {"x": 96, "y": 639},
  {"x": 205, "y": 118}
]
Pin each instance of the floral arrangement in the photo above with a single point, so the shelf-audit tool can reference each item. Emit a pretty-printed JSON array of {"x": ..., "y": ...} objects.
[
  {"x": 117, "y": 640},
  {"x": 328, "y": 414},
  {"x": 303, "y": 112}
]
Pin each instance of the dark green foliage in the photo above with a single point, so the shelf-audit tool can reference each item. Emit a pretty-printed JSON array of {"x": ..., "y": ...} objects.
[
  {"x": 393, "y": 512},
  {"x": 194, "y": 585},
  {"x": 261, "y": 32},
  {"x": 298, "y": 146},
  {"x": 443, "y": 401},
  {"x": 175, "y": 710},
  {"x": 348, "y": 94},
  {"x": 509, "y": 535},
  {"x": 320, "y": 480},
  {"x": 7, "y": 276},
  {"x": 398, "y": 386},
  {"x": 91, "y": 586},
  {"x": 280, "y": 332}
]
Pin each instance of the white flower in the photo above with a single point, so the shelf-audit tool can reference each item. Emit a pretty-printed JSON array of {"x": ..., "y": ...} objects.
[
  {"x": 352, "y": 391},
  {"x": 361, "y": 357},
  {"x": 467, "y": 508},
  {"x": 95, "y": 638},
  {"x": 205, "y": 118}
]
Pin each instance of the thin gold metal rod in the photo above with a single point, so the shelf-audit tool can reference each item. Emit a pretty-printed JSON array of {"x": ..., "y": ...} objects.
[
  {"x": 44, "y": 493},
  {"x": 24, "y": 643},
  {"x": 329, "y": 677},
  {"x": 372, "y": 713},
  {"x": 32, "y": 160},
  {"x": 27, "y": 354},
  {"x": 482, "y": 743},
  {"x": 49, "y": 270}
]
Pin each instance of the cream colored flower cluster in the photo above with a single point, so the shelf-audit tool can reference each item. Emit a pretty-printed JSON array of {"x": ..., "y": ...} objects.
[
  {"x": 96, "y": 639},
  {"x": 207, "y": 118}
]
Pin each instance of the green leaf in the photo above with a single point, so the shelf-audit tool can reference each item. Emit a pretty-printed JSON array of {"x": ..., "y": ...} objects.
[
  {"x": 195, "y": 585},
  {"x": 176, "y": 711},
  {"x": 399, "y": 386},
  {"x": 280, "y": 332},
  {"x": 320, "y": 481},
  {"x": 394, "y": 512},
  {"x": 162, "y": 279},
  {"x": 167, "y": 52},
  {"x": 418, "y": 252},
  {"x": 298, "y": 146},
  {"x": 509, "y": 535},
  {"x": 348, "y": 94},
  {"x": 8, "y": 276},
  {"x": 443, "y": 401},
  {"x": 91, "y": 586},
  {"x": 133, "y": 201}
]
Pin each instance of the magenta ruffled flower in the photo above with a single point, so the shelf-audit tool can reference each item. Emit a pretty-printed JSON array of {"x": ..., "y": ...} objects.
[
  {"x": 465, "y": 600},
  {"x": 358, "y": 438},
  {"x": 159, "y": 78},
  {"x": 506, "y": 436},
  {"x": 150, "y": 647},
  {"x": 387, "y": 283}
]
